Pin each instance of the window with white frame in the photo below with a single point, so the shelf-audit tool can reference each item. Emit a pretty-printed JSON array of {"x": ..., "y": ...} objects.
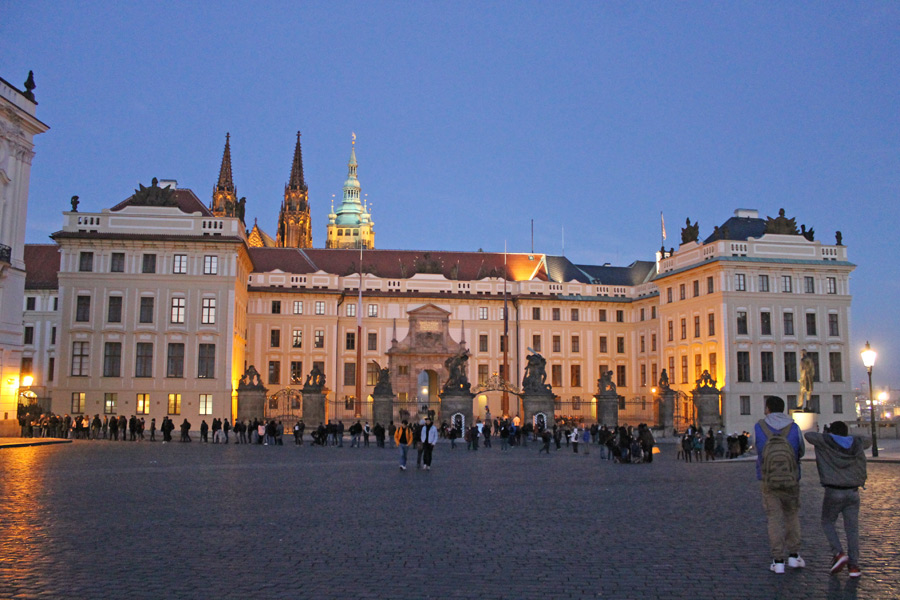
[
  {"x": 482, "y": 313},
  {"x": 176, "y": 315},
  {"x": 373, "y": 310},
  {"x": 208, "y": 311},
  {"x": 351, "y": 309},
  {"x": 206, "y": 404},
  {"x": 179, "y": 264},
  {"x": 320, "y": 307},
  {"x": 210, "y": 265},
  {"x": 298, "y": 307}
]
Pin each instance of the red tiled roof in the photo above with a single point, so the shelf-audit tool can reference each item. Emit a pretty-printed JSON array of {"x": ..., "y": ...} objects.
[
  {"x": 399, "y": 264},
  {"x": 185, "y": 199},
  {"x": 41, "y": 266}
]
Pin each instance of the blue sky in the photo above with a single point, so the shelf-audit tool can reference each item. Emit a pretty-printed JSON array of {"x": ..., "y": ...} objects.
[{"x": 473, "y": 118}]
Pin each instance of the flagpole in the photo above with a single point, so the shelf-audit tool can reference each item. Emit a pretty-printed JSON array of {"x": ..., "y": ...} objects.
[
  {"x": 359, "y": 337},
  {"x": 504, "y": 403}
]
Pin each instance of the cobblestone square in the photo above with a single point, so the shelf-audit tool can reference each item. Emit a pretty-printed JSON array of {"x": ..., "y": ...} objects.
[{"x": 148, "y": 520}]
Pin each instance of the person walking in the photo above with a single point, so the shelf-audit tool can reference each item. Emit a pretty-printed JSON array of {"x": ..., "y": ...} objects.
[
  {"x": 841, "y": 462},
  {"x": 403, "y": 437},
  {"x": 429, "y": 439},
  {"x": 779, "y": 450}
]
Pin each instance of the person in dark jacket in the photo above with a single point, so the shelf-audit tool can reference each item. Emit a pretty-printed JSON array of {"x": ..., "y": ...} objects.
[{"x": 841, "y": 461}]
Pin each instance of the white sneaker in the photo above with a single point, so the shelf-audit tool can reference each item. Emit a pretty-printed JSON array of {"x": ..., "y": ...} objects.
[
  {"x": 796, "y": 562},
  {"x": 777, "y": 567}
]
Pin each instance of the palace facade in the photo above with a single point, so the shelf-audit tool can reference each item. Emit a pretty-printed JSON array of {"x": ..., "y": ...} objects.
[
  {"x": 157, "y": 306},
  {"x": 18, "y": 126}
]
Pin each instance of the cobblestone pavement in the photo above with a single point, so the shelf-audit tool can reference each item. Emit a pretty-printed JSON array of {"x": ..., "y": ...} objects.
[{"x": 142, "y": 520}]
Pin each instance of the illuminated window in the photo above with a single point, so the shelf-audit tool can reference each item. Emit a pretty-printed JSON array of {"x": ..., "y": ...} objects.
[
  {"x": 206, "y": 404},
  {"x": 143, "y": 404},
  {"x": 110, "y": 400},
  {"x": 173, "y": 406},
  {"x": 77, "y": 402}
]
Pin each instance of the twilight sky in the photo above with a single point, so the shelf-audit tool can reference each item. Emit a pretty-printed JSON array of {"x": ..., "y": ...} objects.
[{"x": 473, "y": 118}]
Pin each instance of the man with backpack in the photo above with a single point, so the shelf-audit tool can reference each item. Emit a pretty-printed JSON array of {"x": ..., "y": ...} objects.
[
  {"x": 841, "y": 461},
  {"x": 779, "y": 449}
]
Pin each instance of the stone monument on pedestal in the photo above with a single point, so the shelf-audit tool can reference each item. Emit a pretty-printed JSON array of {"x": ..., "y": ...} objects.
[
  {"x": 706, "y": 399},
  {"x": 251, "y": 396},
  {"x": 666, "y": 400},
  {"x": 537, "y": 394},
  {"x": 383, "y": 398},
  {"x": 456, "y": 399},
  {"x": 607, "y": 398},
  {"x": 314, "y": 398}
]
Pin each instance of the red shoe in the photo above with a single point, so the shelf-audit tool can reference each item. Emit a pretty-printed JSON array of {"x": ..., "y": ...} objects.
[
  {"x": 853, "y": 571},
  {"x": 837, "y": 563}
]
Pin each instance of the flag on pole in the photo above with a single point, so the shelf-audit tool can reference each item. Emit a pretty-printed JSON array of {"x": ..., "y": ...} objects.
[{"x": 662, "y": 221}]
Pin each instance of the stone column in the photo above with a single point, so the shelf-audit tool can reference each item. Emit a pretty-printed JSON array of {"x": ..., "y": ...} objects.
[
  {"x": 533, "y": 404},
  {"x": 251, "y": 404},
  {"x": 666, "y": 400},
  {"x": 456, "y": 402},
  {"x": 607, "y": 409},
  {"x": 382, "y": 409},
  {"x": 313, "y": 409},
  {"x": 706, "y": 399}
]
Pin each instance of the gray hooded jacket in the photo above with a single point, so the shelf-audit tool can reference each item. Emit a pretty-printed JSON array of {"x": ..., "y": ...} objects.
[{"x": 841, "y": 460}]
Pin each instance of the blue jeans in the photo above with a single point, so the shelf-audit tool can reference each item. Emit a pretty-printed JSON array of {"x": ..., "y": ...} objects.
[
  {"x": 404, "y": 449},
  {"x": 842, "y": 502}
]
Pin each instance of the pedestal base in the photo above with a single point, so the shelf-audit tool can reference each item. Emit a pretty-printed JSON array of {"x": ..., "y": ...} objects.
[
  {"x": 382, "y": 409},
  {"x": 313, "y": 409},
  {"x": 539, "y": 409},
  {"x": 608, "y": 410},
  {"x": 456, "y": 404},
  {"x": 251, "y": 404},
  {"x": 806, "y": 421}
]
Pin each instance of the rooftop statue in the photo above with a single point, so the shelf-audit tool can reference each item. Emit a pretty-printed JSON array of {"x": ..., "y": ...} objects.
[
  {"x": 782, "y": 225},
  {"x": 690, "y": 233},
  {"x": 153, "y": 195},
  {"x": 74, "y": 203}
]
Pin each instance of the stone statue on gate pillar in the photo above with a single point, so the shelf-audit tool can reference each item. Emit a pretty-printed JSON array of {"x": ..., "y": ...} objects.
[
  {"x": 537, "y": 394},
  {"x": 607, "y": 398}
]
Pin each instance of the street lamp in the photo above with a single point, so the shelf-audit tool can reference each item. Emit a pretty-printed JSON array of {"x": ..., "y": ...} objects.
[{"x": 868, "y": 357}]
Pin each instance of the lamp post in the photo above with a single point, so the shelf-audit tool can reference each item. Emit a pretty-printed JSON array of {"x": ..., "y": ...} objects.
[{"x": 868, "y": 357}]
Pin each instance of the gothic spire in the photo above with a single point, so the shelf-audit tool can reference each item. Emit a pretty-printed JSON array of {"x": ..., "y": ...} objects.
[
  {"x": 226, "y": 183},
  {"x": 297, "y": 181}
]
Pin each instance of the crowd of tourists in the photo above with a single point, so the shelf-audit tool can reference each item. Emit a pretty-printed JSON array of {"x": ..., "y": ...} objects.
[{"x": 695, "y": 446}]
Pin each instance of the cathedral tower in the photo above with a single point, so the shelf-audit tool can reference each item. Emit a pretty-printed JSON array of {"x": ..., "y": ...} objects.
[
  {"x": 351, "y": 226},
  {"x": 294, "y": 228},
  {"x": 224, "y": 200}
]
